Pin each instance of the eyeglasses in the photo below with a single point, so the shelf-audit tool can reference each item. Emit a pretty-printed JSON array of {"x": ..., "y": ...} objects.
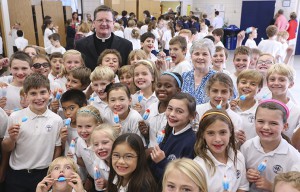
[
  {"x": 101, "y": 21},
  {"x": 126, "y": 157},
  {"x": 38, "y": 65},
  {"x": 267, "y": 62}
]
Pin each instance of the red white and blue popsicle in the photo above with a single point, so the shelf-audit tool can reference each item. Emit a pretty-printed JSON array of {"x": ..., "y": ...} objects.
[
  {"x": 116, "y": 118},
  {"x": 262, "y": 166},
  {"x": 146, "y": 114},
  {"x": 160, "y": 136},
  {"x": 225, "y": 183},
  {"x": 140, "y": 96}
]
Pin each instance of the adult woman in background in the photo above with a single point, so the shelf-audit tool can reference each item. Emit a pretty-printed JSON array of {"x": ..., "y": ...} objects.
[{"x": 194, "y": 81}]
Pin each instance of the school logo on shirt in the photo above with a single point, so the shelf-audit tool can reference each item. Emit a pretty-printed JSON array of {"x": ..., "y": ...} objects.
[
  {"x": 48, "y": 128},
  {"x": 251, "y": 119},
  {"x": 171, "y": 157},
  {"x": 238, "y": 174},
  {"x": 277, "y": 169}
]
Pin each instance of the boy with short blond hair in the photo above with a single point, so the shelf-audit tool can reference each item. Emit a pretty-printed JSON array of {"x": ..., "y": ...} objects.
[
  {"x": 280, "y": 78},
  {"x": 249, "y": 82},
  {"x": 27, "y": 131},
  {"x": 289, "y": 181},
  {"x": 178, "y": 49},
  {"x": 101, "y": 77}
]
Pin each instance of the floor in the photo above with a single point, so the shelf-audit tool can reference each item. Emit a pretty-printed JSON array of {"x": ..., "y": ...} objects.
[{"x": 295, "y": 61}]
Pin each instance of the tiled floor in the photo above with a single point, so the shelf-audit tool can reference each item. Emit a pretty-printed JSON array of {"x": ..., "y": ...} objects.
[{"x": 295, "y": 61}]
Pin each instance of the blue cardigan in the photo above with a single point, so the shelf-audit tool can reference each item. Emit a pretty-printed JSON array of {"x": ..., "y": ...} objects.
[{"x": 175, "y": 147}]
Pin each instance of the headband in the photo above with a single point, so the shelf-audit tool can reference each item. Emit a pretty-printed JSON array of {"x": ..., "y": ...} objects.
[
  {"x": 215, "y": 113},
  {"x": 279, "y": 103},
  {"x": 89, "y": 112},
  {"x": 175, "y": 77}
]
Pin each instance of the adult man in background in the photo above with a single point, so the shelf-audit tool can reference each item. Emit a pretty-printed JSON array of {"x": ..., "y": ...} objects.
[{"x": 103, "y": 38}]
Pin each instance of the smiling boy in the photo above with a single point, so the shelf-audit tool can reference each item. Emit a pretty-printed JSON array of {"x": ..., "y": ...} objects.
[{"x": 30, "y": 154}]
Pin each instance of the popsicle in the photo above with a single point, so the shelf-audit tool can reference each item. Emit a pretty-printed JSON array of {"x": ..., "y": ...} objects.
[
  {"x": 220, "y": 105},
  {"x": 225, "y": 183},
  {"x": 68, "y": 122},
  {"x": 140, "y": 96},
  {"x": 61, "y": 179},
  {"x": 24, "y": 119},
  {"x": 97, "y": 174},
  {"x": 116, "y": 118},
  {"x": 91, "y": 100},
  {"x": 262, "y": 166},
  {"x": 58, "y": 94},
  {"x": 160, "y": 136},
  {"x": 146, "y": 114},
  {"x": 243, "y": 97},
  {"x": 72, "y": 147}
]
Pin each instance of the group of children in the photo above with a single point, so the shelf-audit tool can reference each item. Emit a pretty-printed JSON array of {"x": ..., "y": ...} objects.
[{"x": 131, "y": 128}]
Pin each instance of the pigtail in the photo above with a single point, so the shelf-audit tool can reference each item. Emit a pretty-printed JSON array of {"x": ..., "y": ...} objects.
[{"x": 168, "y": 131}]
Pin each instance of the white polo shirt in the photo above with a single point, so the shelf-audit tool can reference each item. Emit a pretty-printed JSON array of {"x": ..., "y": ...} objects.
[
  {"x": 129, "y": 125},
  {"x": 183, "y": 66},
  {"x": 103, "y": 168},
  {"x": 38, "y": 137},
  {"x": 236, "y": 174},
  {"x": 146, "y": 102},
  {"x": 235, "y": 118},
  {"x": 3, "y": 124},
  {"x": 281, "y": 160},
  {"x": 157, "y": 122},
  {"x": 87, "y": 155},
  {"x": 100, "y": 105},
  {"x": 294, "y": 118},
  {"x": 248, "y": 120}
]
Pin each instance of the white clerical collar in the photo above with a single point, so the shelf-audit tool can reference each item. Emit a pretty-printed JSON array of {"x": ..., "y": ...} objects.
[{"x": 103, "y": 39}]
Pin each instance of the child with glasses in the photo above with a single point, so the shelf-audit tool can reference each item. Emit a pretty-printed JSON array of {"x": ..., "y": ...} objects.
[
  {"x": 41, "y": 64},
  {"x": 128, "y": 166}
]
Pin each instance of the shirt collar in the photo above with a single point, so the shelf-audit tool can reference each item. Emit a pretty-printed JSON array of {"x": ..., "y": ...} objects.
[
  {"x": 103, "y": 39},
  {"x": 189, "y": 126},
  {"x": 229, "y": 159},
  {"x": 281, "y": 149},
  {"x": 32, "y": 115}
]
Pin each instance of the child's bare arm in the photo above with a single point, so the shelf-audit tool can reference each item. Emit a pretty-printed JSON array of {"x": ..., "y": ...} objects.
[
  {"x": 263, "y": 183},
  {"x": 9, "y": 143},
  {"x": 80, "y": 161},
  {"x": 296, "y": 139},
  {"x": 57, "y": 152}
]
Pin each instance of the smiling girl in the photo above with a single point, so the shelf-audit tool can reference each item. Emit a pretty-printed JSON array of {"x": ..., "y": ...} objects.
[
  {"x": 119, "y": 100},
  {"x": 102, "y": 140},
  {"x": 128, "y": 166},
  {"x": 87, "y": 119},
  {"x": 145, "y": 78},
  {"x": 217, "y": 154},
  {"x": 179, "y": 136}
]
